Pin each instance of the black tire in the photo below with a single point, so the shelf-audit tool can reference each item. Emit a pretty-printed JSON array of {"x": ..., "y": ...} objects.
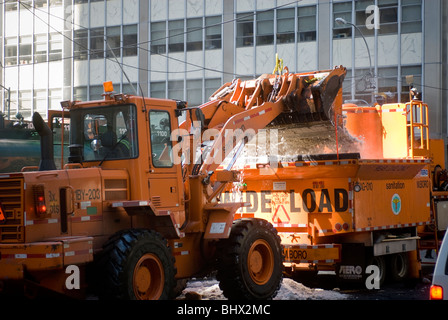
[
  {"x": 137, "y": 264},
  {"x": 250, "y": 261},
  {"x": 380, "y": 262},
  {"x": 399, "y": 267}
]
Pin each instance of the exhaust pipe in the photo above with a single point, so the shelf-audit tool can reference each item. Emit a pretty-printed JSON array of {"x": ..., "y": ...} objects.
[{"x": 46, "y": 143}]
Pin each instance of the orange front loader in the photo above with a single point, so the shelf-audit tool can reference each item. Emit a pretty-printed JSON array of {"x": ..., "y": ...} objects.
[{"x": 135, "y": 210}]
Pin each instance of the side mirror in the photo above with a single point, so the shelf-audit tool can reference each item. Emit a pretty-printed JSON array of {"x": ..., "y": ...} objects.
[{"x": 95, "y": 145}]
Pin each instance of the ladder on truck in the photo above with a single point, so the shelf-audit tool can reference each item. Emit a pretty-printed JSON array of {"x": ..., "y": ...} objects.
[
  {"x": 417, "y": 129},
  {"x": 418, "y": 147}
]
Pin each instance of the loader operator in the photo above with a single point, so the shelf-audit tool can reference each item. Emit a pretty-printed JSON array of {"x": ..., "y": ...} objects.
[
  {"x": 116, "y": 148},
  {"x": 101, "y": 140}
]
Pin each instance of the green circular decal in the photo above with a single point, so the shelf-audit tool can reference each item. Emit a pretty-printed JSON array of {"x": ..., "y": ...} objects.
[{"x": 396, "y": 204}]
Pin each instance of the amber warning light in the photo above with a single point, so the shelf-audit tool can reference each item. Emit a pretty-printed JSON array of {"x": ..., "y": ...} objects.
[{"x": 108, "y": 87}]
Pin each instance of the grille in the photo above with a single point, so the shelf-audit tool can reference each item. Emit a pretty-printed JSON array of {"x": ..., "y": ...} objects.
[
  {"x": 156, "y": 201},
  {"x": 11, "y": 198}
]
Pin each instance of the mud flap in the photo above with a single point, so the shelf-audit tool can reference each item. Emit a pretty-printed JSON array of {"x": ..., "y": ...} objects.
[{"x": 351, "y": 269}]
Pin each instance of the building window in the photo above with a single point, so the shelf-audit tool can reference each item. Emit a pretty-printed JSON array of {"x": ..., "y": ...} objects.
[
  {"x": 130, "y": 89},
  {"x": 158, "y": 90},
  {"x": 347, "y": 86},
  {"x": 158, "y": 37},
  {"x": 55, "y": 98},
  {"x": 113, "y": 46},
  {"x": 388, "y": 16},
  {"x": 194, "y": 93},
  {"x": 81, "y": 44},
  {"x": 411, "y": 16},
  {"x": 213, "y": 35},
  {"x": 307, "y": 23},
  {"x": 265, "y": 27},
  {"x": 80, "y": 93},
  {"x": 40, "y": 48},
  {"x": 11, "y": 5},
  {"x": 40, "y": 102},
  {"x": 285, "y": 26},
  {"x": 387, "y": 83},
  {"x": 13, "y": 103},
  {"x": 25, "y": 56},
  {"x": 55, "y": 3},
  {"x": 211, "y": 85},
  {"x": 95, "y": 92},
  {"x": 361, "y": 17},
  {"x": 55, "y": 47},
  {"x": 11, "y": 51},
  {"x": 97, "y": 43},
  {"x": 410, "y": 75},
  {"x": 244, "y": 30},
  {"x": 130, "y": 40},
  {"x": 194, "y": 34},
  {"x": 342, "y": 10},
  {"x": 25, "y": 103},
  {"x": 176, "y": 36},
  {"x": 40, "y": 3},
  {"x": 362, "y": 84},
  {"x": 176, "y": 89}
]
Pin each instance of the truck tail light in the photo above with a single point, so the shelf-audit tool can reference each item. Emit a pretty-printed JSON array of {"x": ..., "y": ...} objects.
[
  {"x": 39, "y": 200},
  {"x": 435, "y": 293},
  {"x": 2, "y": 214}
]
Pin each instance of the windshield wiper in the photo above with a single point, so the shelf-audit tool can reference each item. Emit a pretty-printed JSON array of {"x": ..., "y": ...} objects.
[{"x": 113, "y": 148}]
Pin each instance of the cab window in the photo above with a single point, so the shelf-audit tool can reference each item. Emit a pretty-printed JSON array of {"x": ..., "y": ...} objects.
[
  {"x": 161, "y": 147},
  {"x": 108, "y": 133}
]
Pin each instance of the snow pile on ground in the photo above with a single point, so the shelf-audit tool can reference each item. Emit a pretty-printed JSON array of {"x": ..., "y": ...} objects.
[
  {"x": 291, "y": 290},
  {"x": 208, "y": 289}
]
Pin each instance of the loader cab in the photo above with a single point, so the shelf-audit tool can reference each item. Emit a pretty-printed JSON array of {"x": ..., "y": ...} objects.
[{"x": 103, "y": 133}]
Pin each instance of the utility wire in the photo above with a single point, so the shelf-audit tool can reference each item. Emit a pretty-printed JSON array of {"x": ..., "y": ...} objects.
[
  {"x": 27, "y": 7},
  {"x": 137, "y": 45}
]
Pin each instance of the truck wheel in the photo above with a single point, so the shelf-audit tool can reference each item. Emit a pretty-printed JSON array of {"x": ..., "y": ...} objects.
[
  {"x": 138, "y": 266},
  {"x": 379, "y": 261},
  {"x": 250, "y": 262},
  {"x": 399, "y": 266}
]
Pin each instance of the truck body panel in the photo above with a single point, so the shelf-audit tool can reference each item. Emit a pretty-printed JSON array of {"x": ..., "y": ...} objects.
[{"x": 344, "y": 211}]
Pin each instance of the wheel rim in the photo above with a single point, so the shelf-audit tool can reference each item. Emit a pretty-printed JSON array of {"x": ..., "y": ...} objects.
[
  {"x": 400, "y": 266},
  {"x": 381, "y": 264},
  {"x": 260, "y": 262},
  {"x": 149, "y": 278}
]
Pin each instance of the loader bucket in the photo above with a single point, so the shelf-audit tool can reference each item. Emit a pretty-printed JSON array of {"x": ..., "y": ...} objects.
[
  {"x": 311, "y": 121},
  {"x": 314, "y": 97}
]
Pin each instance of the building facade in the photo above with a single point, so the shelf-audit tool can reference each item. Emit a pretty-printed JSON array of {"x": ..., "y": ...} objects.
[{"x": 56, "y": 50}]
